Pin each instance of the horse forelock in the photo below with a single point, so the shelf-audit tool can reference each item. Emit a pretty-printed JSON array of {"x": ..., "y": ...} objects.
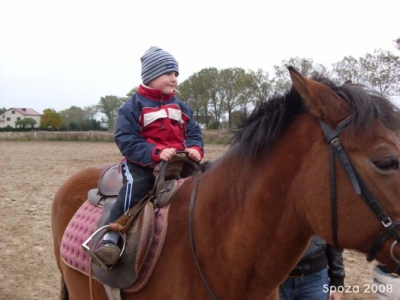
[{"x": 259, "y": 131}]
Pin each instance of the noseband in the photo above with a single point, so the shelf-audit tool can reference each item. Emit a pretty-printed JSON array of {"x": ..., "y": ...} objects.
[{"x": 331, "y": 137}]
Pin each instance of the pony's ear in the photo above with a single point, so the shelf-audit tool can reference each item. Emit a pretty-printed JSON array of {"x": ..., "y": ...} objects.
[{"x": 321, "y": 100}]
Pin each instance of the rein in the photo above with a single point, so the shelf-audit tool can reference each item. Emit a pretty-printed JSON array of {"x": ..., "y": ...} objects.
[
  {"x": 361, "y": 189},
  {"x": 192, "y": 242}
]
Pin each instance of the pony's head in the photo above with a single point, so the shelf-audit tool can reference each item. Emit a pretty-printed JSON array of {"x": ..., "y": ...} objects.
[{"x": 350, "y": 193}]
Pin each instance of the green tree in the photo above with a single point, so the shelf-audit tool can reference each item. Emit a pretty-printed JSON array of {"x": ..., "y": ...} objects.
[
  {"x": 51, "y": 119},
  {"x": 305, "y": 66},
  {"x": 397, "y": 43},
  {"x": 258, "y": 88},
  {"x": 348, "y": 69},
  {"x": 192, "y": 91},
  {"x": 109, "y": 105},
  {"x": 2, "y": 110},
  {"x": 134, "y": 90},
  {"x": 381, "y": 71},
  {"x": 232, "y": 84},
  {"x": 72, "y": 118},
  {"x": 90, "y": 111},
  {"x": 25, "y": 122},
  {"x": 208, "y": 79}
]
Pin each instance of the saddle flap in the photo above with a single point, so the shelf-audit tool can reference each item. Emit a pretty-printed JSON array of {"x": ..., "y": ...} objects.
[
  {"x": 110, "y": 181},
  {"x": 145, "y": 237},
  {"x": 139, "y": 239}
]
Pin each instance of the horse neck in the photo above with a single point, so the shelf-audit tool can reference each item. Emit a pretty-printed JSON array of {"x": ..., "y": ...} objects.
[{"x": 248, "y": 221}]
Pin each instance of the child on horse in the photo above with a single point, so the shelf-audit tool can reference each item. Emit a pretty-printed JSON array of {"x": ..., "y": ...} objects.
[{"x": 152, "y": 125}]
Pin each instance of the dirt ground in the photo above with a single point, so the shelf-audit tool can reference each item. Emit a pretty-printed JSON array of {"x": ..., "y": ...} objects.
[{"x": 31, "y": 172}]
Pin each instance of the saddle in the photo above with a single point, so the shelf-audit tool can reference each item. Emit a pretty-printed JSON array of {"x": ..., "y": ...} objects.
[{"x": 137, "y": 225}]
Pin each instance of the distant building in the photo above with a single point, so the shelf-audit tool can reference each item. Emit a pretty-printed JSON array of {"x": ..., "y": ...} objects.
[{"x": 10, "y": 116}]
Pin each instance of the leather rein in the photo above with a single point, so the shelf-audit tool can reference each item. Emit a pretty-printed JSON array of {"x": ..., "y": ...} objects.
[{"x": 331, "y": 137}]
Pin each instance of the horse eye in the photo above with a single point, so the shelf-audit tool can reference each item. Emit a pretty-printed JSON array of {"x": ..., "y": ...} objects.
[{"x": 387, "y": 164}]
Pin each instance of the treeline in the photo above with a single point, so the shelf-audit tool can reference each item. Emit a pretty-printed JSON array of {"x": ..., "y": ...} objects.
[{"x": 222, "y": 96}]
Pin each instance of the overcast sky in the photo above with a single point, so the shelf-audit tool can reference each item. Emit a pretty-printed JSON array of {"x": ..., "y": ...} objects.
[{"x": 56, "y": 54}]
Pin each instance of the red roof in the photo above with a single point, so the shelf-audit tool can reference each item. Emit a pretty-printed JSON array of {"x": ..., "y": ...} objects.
[{"x": 25, "y": 111}]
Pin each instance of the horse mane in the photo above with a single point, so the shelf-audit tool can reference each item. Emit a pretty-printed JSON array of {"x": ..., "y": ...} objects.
[{"x": 263, "y": 127}]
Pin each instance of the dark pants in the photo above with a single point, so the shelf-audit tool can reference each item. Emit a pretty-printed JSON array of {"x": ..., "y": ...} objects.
[{"x": 137, "y": 181}]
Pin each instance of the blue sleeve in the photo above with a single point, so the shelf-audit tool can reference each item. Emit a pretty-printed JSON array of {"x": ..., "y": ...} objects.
[{"x": 128, "y": 135}]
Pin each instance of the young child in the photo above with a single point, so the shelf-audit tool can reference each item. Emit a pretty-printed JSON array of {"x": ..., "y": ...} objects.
[{"x": 152, "y": 125}]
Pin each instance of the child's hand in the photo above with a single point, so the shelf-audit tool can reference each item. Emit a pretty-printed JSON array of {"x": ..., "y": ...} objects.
[
  {"x": 167, "y": 153},
  {"x": 193, "y": 154}
]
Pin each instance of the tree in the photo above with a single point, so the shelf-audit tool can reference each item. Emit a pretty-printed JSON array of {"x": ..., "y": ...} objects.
[
  {"x": 397, "y": 43},
  {"x": 109, "y": 105},
  {"x": 381, "y": 71},
  {"x": 208, "y": 78},
  {"x": 2, "y": 110},
  {"x": 349, "y": 68},
  {"x": 259, "y": 87},
  {"x": 134, "y": 90},
  {"x": 72, "y": 118},
  {"x": 305, "y": 66},
  {"x": 232, "y": 83},
  {"x": 90, "y": 111},
  {"x": 193, "y": 92},
  {"x": 51, "y": 119},
  {"x": 25, "y": 122}
]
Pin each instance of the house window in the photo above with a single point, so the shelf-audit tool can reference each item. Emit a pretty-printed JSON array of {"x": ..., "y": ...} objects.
[
  {"x": 4, "y": 116},
  {"x": 13, "y": 112},
  {"x": 18, "y": 118},
  {"x": 8, "y": 119}
]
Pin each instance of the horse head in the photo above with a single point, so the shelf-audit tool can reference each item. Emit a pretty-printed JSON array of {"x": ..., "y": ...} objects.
[{"x": 361, "y": 187}]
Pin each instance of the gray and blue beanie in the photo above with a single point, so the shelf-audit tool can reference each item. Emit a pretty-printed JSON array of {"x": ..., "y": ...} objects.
[{"x": 157, "y": 62}]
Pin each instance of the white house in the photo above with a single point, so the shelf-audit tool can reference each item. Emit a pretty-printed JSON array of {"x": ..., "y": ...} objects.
[{"x": 10, "y": 116}]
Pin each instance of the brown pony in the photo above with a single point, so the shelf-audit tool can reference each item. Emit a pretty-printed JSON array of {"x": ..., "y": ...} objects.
[{"x": 258, "y": 206}]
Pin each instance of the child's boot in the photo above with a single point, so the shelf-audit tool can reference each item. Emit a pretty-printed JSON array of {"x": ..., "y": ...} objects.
[{"x": 108, "y": 251}]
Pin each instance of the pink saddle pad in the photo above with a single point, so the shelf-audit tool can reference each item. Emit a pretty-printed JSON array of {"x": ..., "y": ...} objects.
[{"x": 84, "y": 223}]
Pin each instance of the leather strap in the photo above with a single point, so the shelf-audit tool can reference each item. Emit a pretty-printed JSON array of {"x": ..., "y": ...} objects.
[
  {"x": 360, "y": 188},
  {"x": 192, "y": 242},
  {"x": 124, "y": 223}
]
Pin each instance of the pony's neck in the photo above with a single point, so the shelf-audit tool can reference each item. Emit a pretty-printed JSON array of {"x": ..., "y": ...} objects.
[{"x": 248, "y": 220}]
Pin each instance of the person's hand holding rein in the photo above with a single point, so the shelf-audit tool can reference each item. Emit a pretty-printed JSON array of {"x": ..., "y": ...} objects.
[
  {"x": 167, "y": 153},
  {"x": 193, "y": 154}
]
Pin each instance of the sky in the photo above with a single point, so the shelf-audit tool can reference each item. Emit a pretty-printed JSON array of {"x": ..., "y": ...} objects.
[{"x": 57, "y": 54}]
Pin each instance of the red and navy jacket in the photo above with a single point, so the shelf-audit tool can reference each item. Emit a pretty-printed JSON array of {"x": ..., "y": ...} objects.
[{"x": 150, "y": 122}]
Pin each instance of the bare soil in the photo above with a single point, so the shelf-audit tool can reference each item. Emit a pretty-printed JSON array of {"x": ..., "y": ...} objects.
[{"x": 31, "y": 172}]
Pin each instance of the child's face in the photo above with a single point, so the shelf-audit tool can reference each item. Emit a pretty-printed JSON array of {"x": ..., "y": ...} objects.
[{"x": 165, "y": 83}]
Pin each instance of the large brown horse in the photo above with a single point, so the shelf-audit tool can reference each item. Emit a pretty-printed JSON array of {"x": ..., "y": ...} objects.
[{"x": 258, "y": 206}]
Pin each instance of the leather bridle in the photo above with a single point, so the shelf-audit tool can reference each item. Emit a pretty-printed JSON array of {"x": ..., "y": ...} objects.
[{"x": 331, "y": 137}]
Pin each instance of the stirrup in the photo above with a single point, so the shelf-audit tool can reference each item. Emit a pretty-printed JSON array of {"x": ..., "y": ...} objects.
[{"x": 90, "y": 250}]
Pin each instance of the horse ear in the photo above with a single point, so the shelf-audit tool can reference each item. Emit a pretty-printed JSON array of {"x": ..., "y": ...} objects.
[{"x": 321, "y": 100}]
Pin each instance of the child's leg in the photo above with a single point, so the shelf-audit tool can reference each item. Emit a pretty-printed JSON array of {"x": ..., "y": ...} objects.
[{"x": 137, "y": 182}]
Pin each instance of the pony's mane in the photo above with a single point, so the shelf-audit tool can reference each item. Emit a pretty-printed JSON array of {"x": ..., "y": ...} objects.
[{"x": 269, "y": 119}]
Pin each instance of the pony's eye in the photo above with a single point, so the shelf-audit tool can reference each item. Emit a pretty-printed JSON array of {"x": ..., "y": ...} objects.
[{"x": 386, "y": 164}]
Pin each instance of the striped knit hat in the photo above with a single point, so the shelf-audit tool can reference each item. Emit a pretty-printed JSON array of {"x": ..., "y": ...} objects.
[{"x": 157, "y": 62}]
